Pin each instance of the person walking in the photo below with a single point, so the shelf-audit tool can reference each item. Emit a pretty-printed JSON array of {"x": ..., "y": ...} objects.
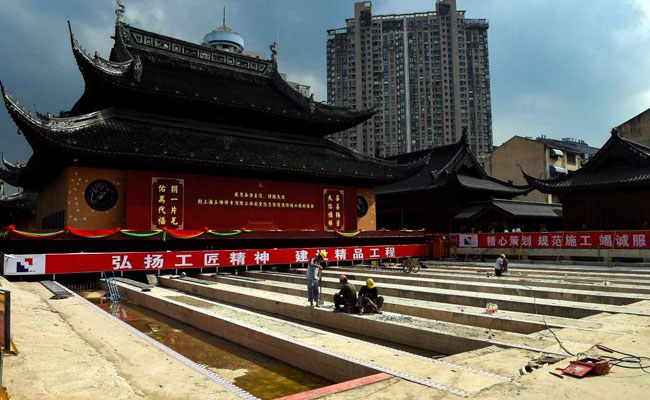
[
  {"x": 313, "y": 272},
  {"x": 501, "y": 265}
]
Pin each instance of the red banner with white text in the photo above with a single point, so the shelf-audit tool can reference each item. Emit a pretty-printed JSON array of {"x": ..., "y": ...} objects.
[
  {"x": 39, "y": 264},
  {"x": 184, "y": 201},
  {"x": 558, "y": 240}
]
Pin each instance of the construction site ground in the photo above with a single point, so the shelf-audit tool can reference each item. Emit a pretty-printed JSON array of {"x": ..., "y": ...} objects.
[{"x": 69, "y": 349}]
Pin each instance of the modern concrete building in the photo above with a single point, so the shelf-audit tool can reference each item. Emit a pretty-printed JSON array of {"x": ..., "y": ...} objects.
[
  {"x": 542, "y": 158},
  {"x": 427, "y": 73},
  {"x": 636, "y": 128}
]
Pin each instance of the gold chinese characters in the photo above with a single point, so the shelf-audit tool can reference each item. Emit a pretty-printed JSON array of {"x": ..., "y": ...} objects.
[{"x": 253, "y": 203}]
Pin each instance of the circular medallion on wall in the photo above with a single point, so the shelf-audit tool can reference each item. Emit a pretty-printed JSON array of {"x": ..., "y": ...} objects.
[
  {"x": 101, "y": 195},
  {"x": 362, "y": 206}
]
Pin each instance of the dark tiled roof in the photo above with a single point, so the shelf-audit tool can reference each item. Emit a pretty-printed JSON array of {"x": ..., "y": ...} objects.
[
  {"x": 529, "y": 208},
  {"x": 515, "y": 208},
  {"x": 12, "y": 177},
  {"x": 435, "y": 160},
  {"x": 21, "y": 200},
  {"x": 123, "y": 136},
  {"x": 619, "y": 163},
  {"x": 448, "y": 166},
  {"x": 469, "y": 211},
  {"x": 154, "y": 73},
  {"x": 488, "y": 184}
]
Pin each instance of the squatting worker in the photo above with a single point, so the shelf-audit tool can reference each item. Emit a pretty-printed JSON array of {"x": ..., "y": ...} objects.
[
  {"x": 501, "y": 265},
  {"x": 313, "y": 270},
  {"x": 347, "y": 296},
  {"x": 369, "y": 296}
]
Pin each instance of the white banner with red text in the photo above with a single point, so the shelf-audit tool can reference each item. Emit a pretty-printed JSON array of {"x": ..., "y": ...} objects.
[{"x": 67, "y": 263}]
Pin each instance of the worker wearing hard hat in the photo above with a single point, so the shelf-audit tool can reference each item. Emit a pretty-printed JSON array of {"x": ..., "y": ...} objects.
[
  {"x": 313, "y": 272},
  {"x": 501, "y": 265},
  {"x": 347, "y": 296},
  {"x": 369, "y": 296}
]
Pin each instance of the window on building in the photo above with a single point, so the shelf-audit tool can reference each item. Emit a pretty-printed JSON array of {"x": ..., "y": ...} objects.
[{"x": 571, "y": 158}]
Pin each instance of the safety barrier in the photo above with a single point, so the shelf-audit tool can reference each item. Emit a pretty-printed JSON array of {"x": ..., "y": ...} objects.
[
  {"x": 7, "y": 344},
  {"x": 5, "y": 320}
]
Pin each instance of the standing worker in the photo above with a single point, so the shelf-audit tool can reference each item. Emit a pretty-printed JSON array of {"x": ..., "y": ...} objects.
[
  {"x": 369, "y": 296},
  {"x": 347, "y": 296},
  {"x": 501, "y": 265},
  {"x": 313, "y": 273}
]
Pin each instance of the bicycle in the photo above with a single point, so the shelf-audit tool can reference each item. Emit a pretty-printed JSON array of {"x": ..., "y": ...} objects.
[{"x": 411, "y": 265}]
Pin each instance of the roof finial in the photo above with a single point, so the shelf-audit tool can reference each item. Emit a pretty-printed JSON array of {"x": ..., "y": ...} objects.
[
  {"x": 274, "y": 52},
  {"x": 614, "y": 132},
  {"x": 119, "y": 11},
  {"x": 224, "y": 16}
]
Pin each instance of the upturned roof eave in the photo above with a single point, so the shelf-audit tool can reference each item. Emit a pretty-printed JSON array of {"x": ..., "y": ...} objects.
[
  {"x": 330, "y": 118},
  {"x": 40, "y": 134},
  {"x": 635, "y": 152}
]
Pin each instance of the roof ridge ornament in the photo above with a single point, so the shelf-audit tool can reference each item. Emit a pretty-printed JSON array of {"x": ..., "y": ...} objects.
[
  {"x": 137, "y": 68},
  {"x": 312, "y": 104},
  {"x": 274, "y": 53},
  {"x": 119, "y": 12},
  {"x": 614, "y": 132}
]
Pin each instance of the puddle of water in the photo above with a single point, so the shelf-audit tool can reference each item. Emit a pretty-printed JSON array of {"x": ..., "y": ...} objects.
[{"x": 260, "y": 375}]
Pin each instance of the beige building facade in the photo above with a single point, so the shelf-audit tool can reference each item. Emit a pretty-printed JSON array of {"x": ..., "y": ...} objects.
[
  {"x": 537, "y": 157},
  {"x": 637, "y": 128},
  {"x": 427, "y": 73}
]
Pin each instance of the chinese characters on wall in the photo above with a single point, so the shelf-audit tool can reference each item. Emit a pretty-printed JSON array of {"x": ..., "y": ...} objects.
[
  {"x": 333, "y": 209},
  {"x": 255, "y": 199},
  {"x": 167, "y": 203},
  {"x": 559, "y": 240}
]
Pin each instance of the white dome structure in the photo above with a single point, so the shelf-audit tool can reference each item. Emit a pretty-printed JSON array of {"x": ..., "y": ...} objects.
[{"x": 224, "y": 38}]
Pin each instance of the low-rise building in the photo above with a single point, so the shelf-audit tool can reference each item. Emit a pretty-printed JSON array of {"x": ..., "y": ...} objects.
[
  {"x": 610, "y": 192},
  {"x": 543, "y": 158},
  {"x": 636, "y": 128}
]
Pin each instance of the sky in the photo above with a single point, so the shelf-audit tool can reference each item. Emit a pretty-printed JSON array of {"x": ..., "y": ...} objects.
[{"x": 561, "y": 68}]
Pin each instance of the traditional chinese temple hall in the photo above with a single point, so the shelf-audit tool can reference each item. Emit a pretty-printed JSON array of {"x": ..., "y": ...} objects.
[
  {"x": 159, "y": 246},
  {"x": 198, "y": 143}
]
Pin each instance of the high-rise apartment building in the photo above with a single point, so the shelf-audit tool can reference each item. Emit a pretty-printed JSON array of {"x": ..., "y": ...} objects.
[{"x": 427, "y": 73}]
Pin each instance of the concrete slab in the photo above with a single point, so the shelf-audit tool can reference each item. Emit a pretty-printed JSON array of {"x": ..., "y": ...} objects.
[
  {"x": 437, "y": 336},
  {"x": 466, "y": 315},
  {"x": 558, "y": 271},
  {"x": 512, "y": 277},
  {"x": 188, "y": 310},
  {"x": 221, "y": 319},
  {"x": 624, "y": 383},
  {"x": 70, "y": 349},
  {"x": 526, "y": 304},
  {"x": 498, "y": 286}
]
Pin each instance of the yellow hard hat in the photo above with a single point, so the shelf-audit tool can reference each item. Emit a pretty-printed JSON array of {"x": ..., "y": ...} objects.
[
  {"x": 323, "y": 254},
  {"x": 503, "y": 255},
  {"x": 370, "y": 283}
]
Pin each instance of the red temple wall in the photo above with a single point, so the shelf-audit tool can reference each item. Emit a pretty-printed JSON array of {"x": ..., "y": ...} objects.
[
  {"x": 369, "y": 221},
  {"x": 155, "y": 200},
  {"x": 67, "y": 194}
]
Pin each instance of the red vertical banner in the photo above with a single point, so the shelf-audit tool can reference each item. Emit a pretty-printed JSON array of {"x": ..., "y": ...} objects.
[
  {"x": 167, "y": 203},
  {"x": 333, "y": 215}
]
